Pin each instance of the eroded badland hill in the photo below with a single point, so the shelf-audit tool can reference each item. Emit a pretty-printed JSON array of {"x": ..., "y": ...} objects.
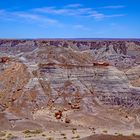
[{"x": 68, "y": 89}]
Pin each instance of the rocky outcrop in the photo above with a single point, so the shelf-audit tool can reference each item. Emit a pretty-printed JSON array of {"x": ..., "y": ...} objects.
[
  {"x": 120, "y": 53},
  {"x": 4, "y": 59},
  {"x": 81, "y": 76}
]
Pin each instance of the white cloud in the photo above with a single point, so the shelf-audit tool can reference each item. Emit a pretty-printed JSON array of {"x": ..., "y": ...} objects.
[
  {"x": 74, "y": 5},
  {"x": 2, "y": 11},
  {"x": 34, "y": 17},
  {"x": 77, "y": 10},
  {"x": 69, "y": 11},
  {"x": 114, "y": 7},
  {"x": 100, "y": 16},
  {"x": 115, "y": 15},
  {"x": 97, "y": 15},
  {"x": 51, "y": 10},
  {"x": 43, "y": 15},
  {"x": 81, "y": 27},
  {"x": 26, "y": 16}
]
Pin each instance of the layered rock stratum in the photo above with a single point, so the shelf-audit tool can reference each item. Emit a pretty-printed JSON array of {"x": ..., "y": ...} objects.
[{"x": 61, "y": 84}]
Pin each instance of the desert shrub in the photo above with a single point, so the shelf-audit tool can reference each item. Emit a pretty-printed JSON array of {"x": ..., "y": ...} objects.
[
  {"x": 133, "y": 134},
  {"x": 26, "y": 131},
  {"x": 28, "y": 136},
  {"x": 74, "y": 128},
  {"x": 43, "y": 135},
  {"x": 50, "y": 138},
  {"x": 62, "y": 134},
  {"x": 65, "y": 138},
  {"x": 76, "y": 137},
  {"x": 32, "y": 131},
  {"x": 119, "y": 134},
  {"x": 2, "y": 134},
  {"x": 73, "y": 131},
  {"x": 11, "y": 136},
  {"x": 104, "y": 131}
]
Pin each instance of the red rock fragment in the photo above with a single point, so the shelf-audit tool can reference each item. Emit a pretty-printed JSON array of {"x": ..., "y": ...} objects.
[
  {"x": 58, "y": 115},
  {"x": 67, "y": 120},
  {"x": 4, "y": 59},
  {"x": 75, "y": 106},
  {"x": 100, "y": 64}
]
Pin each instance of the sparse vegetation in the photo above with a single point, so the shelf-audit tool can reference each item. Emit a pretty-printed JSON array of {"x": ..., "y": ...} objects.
[
  {"x": 65, "y": 137},
  {"x": 2, "y": 134},
  {"x": 74, "y": 129},
  {"x": 28, "y": 136},
  {"x": 32, "y": 132},
  {"x": 75, "y": 137},
  {"x": 62, "y": 134},
  {"x": 105, "y": 131},
  {"x": 50, "y": 138},
  {"x": 119, "y": 134},
  {"x": 10, "y": 136},
  {"x": 26, "y": 131},
  {"x": 133, "y": 134},
  {"x": 44, "y": 135}
]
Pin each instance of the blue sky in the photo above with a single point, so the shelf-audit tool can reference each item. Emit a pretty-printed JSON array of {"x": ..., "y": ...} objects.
[{"x": 70, "y": 19}]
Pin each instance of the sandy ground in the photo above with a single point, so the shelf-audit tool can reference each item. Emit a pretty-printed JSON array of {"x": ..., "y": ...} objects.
[
  {"x": 44, "y": 126},
  {"x": 62, "y": 135},
  {"x": 44, "y": 135},
  {"x": 109, "y": 137}
]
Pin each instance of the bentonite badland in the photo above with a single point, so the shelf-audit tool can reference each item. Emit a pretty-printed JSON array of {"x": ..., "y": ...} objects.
[{"x": 70, "y": 89}]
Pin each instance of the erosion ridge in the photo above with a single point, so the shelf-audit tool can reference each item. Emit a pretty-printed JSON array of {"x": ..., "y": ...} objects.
[{"x": 86, "y": 83}]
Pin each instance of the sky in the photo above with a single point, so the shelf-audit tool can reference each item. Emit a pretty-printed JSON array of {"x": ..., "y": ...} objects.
[{"x": 69, "y": 18}]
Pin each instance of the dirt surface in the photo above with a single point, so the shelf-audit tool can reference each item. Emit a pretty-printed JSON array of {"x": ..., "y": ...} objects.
[{"x": 109, "y": 137}]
